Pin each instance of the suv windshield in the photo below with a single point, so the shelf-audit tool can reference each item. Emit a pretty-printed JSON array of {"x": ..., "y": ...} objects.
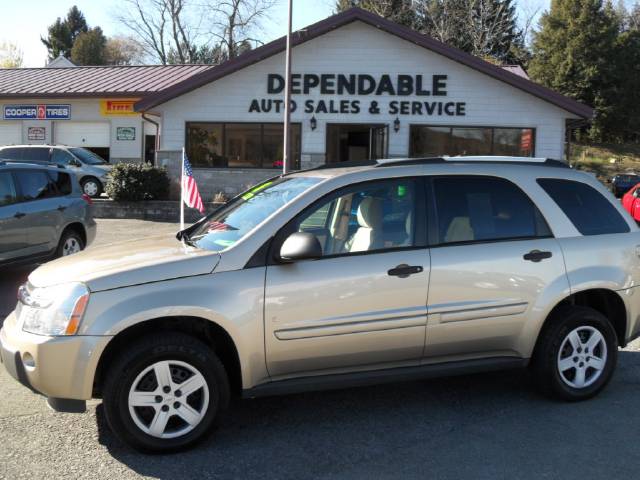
[
  {"x": 232, "y": 222},
  {"x": 87, "y": 156}
]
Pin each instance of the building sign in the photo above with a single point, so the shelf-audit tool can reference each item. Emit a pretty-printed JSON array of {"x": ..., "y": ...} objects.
[
  {"x": 391, "y": 93},
  {"x": 125, "y": 133},
  {"x": 36, "y": 133},
  {"x": 37, "y": 112},
  {"x": 117, "y": 107}
]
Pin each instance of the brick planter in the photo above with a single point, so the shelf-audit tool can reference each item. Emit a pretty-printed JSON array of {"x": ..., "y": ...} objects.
[{"x": 156, "y": 210}]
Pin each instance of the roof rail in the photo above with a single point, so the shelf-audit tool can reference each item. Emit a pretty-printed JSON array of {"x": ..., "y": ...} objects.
[
  {"x": 5, "y": 161},
  {"x": 473, "y": 159}
]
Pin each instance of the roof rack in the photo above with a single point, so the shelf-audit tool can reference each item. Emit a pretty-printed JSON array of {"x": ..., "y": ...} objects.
[{"x": 472, "y": 159}]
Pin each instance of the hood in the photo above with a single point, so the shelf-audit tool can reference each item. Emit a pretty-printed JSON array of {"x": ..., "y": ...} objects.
[
  {"x": 100, "y": 168},
  {"x": 133, "y": 262}
]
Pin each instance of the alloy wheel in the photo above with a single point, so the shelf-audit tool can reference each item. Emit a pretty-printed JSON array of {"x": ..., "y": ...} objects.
[
  {"x": 168, "y": 399},
  {"x": 582, "y": 357},
  {"x": 90, "y": 188},
  {"x": 71, "y": 245}
]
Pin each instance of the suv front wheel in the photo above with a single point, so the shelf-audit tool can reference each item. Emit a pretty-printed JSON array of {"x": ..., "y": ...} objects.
[
  {"x": 165, "y": 392},
  {"x": 576, "y": 353}
]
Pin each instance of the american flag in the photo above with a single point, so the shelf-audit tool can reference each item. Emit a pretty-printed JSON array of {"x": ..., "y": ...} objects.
[{"x": 190, "y": 189}]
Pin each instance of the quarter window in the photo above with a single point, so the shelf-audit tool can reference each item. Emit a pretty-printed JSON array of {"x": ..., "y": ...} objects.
[
  {"x": 482, "y": 209},
  {"x": 62, "y": 182},
  {"x": 7, "y": 189},
  {"x": 376, "y": 216},
  {"x": 589, "y": 211}
]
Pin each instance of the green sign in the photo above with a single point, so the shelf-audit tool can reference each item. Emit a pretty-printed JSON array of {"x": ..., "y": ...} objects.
[{"x": 126, "y": 133}]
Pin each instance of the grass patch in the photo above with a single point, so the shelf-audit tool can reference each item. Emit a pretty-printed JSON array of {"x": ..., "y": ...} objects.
[{"x": 606, "y": 160}]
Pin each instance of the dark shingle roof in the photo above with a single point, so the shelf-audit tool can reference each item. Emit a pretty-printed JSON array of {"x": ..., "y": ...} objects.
[{"x": 131, "y": 81}]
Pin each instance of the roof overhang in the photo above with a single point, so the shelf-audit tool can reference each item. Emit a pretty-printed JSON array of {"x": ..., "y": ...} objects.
[{"x": 342, "y": 19}]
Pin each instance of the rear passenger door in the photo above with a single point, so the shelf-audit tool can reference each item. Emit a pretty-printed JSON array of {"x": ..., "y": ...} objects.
[
  {"x": 13, "y": 236},
  {"x": 492, "y": 256},
  {"x": 42, "y": 208}
]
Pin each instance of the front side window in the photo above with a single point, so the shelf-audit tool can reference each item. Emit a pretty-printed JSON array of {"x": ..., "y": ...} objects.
[
  {"x": 35, "y": 184},
  {"x": 589, "y": 211},
  {"x": 225, "y": 227},
  {"x": 7, "y": 189},
  {"x": 375, "y": 216},
  {"x": 87, "y": 156},
  {"x": 484, "y": 209},
  {"x": 61, "y": 157}
]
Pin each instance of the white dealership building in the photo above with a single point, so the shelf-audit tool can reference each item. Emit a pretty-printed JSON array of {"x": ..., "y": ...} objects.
[{"x": 362, "y": 87}]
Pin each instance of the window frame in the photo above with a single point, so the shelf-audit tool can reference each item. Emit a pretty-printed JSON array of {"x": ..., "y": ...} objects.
[
  {"x": 223, "y": 142},
  {"x": 491, "y": 127},
  {"x": 433, "y": 228},
  {"x": 420, "y": 235}
]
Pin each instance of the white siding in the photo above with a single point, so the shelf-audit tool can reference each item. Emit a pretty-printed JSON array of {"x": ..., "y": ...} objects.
[
  {"x": 10, "y": 133},
  {"x": 360, "y": 48}
]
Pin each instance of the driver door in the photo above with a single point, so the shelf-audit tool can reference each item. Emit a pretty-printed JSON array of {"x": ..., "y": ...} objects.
[{"x": 362, "y": 304}]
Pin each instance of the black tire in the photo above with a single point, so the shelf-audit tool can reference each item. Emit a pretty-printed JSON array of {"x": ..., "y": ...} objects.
[
  {"x": 69, "y": 235},
  {"x": 95, "y": 181},
  {"x": 545, "y": 360},
  {"x": 123, "y": 372}
]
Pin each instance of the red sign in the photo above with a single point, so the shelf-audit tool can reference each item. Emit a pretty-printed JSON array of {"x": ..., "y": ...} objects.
[{"x": 42, "y": 112}]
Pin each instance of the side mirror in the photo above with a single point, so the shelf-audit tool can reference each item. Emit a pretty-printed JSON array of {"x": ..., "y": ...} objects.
[{"x": 300, "y": 246}]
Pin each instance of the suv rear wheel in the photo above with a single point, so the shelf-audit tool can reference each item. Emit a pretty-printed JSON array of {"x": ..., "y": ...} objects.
[
  {"x": 70, "y": 242},
  {"x": 165, "y": 392},
  {"x": 91, "y": 186},
  {"x": 576, "y": 354}
]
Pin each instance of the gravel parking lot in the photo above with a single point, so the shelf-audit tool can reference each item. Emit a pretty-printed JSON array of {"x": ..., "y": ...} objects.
[{"x": 490, "y": 426}]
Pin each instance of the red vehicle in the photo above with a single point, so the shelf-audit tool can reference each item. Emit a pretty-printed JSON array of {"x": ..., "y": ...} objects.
[{"x": 631, "y": 202}]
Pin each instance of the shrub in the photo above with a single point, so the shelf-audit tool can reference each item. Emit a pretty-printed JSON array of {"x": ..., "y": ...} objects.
[{"x": 135, "y": 182}]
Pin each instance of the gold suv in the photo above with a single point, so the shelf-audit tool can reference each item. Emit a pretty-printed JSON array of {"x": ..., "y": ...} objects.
[{"x": 336, "y": 277}]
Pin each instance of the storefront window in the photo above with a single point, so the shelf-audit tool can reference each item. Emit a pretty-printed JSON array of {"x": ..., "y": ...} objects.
[
  {"x": 426, "y": 141},
  {"x": 240, "y": 145}
]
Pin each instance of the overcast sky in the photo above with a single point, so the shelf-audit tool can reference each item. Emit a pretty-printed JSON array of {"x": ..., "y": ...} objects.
[{"x": 24, "y": 21}]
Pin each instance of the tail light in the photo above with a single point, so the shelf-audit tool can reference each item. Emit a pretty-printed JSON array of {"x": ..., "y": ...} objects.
[{"x": 87, "y": 199}]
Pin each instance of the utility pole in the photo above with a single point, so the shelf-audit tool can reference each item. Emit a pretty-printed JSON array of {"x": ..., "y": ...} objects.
[{"x": 287, "y": 96}]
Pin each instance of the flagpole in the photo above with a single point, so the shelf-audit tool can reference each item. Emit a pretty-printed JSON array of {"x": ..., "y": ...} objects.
[
  {"x": 287, "y": 95},
  {"x": 182, "y": 192}
]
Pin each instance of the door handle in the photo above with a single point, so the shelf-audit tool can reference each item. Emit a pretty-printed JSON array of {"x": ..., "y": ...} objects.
[
  {"x": 403, "y": 270},
  {"x": 62, "y": 208},
  {"x": 19, "y": 215},
  {"x": 537, "y": 256}
]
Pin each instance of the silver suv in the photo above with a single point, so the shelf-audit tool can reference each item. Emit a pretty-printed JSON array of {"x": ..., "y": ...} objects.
[
  {"x": 336, "y": 277},
  {"x": 90, "y": 168},
  {"x": 42, "y": 213}
]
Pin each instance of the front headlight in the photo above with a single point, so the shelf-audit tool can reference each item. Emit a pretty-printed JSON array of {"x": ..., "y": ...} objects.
[{"x": 55, "y": 310}]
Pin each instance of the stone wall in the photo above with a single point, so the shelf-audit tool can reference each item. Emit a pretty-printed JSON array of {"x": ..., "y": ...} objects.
[{"x": 159, "y": 211}]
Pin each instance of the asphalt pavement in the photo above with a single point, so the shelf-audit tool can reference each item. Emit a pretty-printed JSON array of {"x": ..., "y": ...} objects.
[{"x": 490, "y": 426}]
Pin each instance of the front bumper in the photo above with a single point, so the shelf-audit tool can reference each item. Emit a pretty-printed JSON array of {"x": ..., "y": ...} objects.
[{"x": 61, "y": 368}]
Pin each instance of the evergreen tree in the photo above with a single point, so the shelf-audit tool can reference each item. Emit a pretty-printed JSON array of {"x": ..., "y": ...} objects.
[
  {"x": 62, "y": 33},
  {"x": 89, "y": 48},
  {"x": 574, "y": 53}
]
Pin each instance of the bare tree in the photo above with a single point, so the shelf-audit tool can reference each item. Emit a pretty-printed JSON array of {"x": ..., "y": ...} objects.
[
  {"x": 122, "y": 50},
  {"x": 10, "y": 55},
  {"x": 235, "y": 22},
  {"x": 162, "y": 26}
]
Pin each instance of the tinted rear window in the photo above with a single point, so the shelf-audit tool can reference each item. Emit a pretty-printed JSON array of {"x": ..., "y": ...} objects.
[
  {"x": 62, "y": 181},
  {"x": 12, "y": 153},
  {"x": 481, "y": 209},
  {"x": 589, "y": 211}
]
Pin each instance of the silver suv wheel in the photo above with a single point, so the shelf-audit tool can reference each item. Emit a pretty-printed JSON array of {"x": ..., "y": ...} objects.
[
  {"x": 582, "y": 357},
  {"x": 70, "y": 246},
  {"x": 168, "y": 399}
]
